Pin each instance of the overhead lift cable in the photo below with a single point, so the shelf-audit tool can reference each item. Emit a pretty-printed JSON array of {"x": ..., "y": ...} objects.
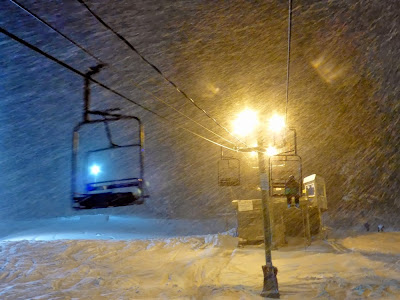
[
  {"x": 288, "y": 57},
  {"x": 65, "y": 65},
  {"x": 105, "y": 64},
  {"x": 157, "y": 69},
  {"x": 59, "y": 32}
]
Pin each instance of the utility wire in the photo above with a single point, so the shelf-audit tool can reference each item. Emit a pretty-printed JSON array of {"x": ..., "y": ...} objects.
[
  {"x": 36, "y": 49},
  {"x": 288, "y": 57},
  {"x": 157, "y": 69},
  {"x": 105, "y": 64}
]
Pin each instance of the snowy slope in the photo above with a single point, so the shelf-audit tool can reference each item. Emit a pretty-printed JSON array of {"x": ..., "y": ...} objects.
[{"x": 188, "y": 267}]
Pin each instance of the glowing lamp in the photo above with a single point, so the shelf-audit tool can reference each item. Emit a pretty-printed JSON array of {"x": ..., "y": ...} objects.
[
  {"x": 245, "y": 123},
  {"x": 271, "y": 151},
  {"x": 94, "y": 170},
  {"x": 276, "y": 123}
]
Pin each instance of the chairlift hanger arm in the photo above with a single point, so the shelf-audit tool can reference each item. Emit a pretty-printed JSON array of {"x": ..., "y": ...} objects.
[
  {"x": 94, "y": 70},
  {"x": 86, "y": 91}
]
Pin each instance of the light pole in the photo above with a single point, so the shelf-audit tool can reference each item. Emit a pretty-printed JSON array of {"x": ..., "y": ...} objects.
[
  {"x": 246, "y": 123},
  {"x": 270, "y": 288}
]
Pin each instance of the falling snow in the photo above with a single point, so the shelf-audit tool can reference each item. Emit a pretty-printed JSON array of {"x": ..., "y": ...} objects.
[{"x": 343, "y": 102}]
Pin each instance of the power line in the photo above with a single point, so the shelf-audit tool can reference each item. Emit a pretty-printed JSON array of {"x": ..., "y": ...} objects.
[
  {"x": 157, "y": 69},
  {"x": 105, "y": 64},
  {"x": 52, "y": 58}
]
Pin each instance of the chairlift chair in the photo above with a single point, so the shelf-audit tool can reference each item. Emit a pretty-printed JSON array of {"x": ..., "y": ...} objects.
[
  {"x": 280, "y": 167},
  {"x": 120, "y": 191},
  {"x": 228, "y": 171}
]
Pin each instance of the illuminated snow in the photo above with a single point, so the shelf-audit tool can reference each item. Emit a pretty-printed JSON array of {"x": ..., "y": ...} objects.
[{"x": 101, "y": 257}]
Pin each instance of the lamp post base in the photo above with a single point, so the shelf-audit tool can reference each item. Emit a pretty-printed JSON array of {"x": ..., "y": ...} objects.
[{"x": 270, "y": 289}]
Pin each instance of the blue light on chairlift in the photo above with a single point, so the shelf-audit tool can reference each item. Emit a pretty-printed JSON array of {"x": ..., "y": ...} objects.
[{"x": 94, "y": 170}]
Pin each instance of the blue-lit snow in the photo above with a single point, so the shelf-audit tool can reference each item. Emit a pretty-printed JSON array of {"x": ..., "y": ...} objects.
[{"x": 106, "y": 227}]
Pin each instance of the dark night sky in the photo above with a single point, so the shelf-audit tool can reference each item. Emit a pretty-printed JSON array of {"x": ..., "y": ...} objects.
[{"x": 225, "y": 55}]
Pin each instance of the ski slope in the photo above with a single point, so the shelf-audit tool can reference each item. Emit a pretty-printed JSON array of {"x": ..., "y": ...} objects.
[{"x": 101, "y": 257}]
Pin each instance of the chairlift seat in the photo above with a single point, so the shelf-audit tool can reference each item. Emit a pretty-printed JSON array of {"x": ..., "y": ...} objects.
[
  {"x": 104, "y": 200},
  {"x": 278, "y": 188},
  {"x": 229, "y": 171},
  {"x": 113, "y": 184},
  {"x": 229, "y": 182}
]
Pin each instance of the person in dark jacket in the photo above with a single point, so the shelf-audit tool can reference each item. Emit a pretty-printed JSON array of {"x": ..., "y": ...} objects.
[{"x": 292, "y": 189}]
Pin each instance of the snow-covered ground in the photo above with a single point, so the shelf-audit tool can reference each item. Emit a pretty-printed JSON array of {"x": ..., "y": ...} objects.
[{"x": 96, "y": 257}]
